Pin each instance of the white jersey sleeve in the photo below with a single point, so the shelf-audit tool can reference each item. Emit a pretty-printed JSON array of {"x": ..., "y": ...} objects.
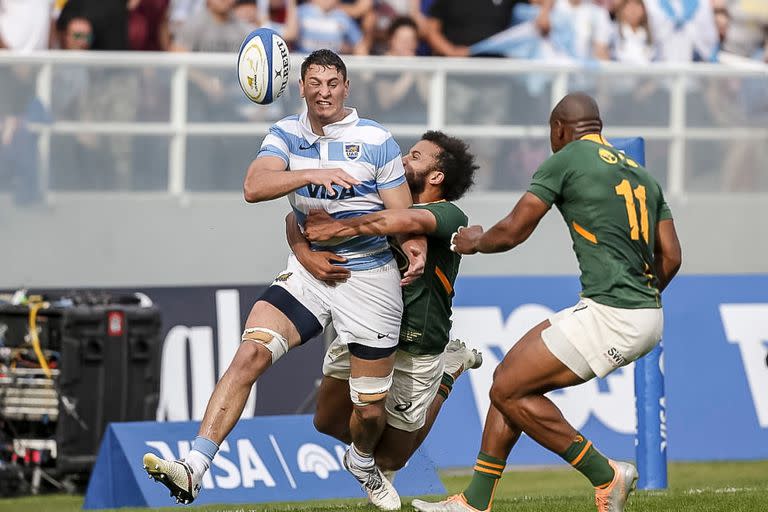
[{"x": 389, "y": 165}]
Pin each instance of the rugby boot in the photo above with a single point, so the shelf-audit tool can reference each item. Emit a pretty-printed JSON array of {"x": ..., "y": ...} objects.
[
  {"x": 613, "y": 497},
  {"x": 380, "y": 491},
  {"x": 176, "y": 475},
  {"x": 455, "y": 503}
]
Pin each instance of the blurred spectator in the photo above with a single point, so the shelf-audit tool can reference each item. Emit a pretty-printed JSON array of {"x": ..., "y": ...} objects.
[
  {"x": 323, "y": 24},
  {"x": 452, "y": 26},
  {"x": 82, "y": 160},
  {"x": 181, "y": 11},
  {"x": 109, "y": 19},
  {"x": 403, "y": 97},
  {"x": 633, "y": 42},
  {"x": 214, "y": 29},
  {"x": 574, "y": 29},
  {"x": 18, "y": 145},
  {"x": 113, "y": 95},
  {"x": 72, "y": 80},
  {"x": 25, "y": 24},
  {"x": 148, "y": 28},
  {"x": 213, "y": 98},
  {"x": 386, "y": 12},
  {"x": 684, "y": 30},
  {"x": 248, "y": 11},
  {"x": 279, "y": 15},
  {"x": 748, "y": 32}
]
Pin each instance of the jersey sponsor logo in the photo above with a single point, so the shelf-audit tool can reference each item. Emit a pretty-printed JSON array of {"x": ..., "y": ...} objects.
[
  {"x": 283, "y": 277},
  {"x": 352, "y": 151},
  {"x": 608, "y": 156},
  {"x": 403, "y": 407},
  {"x": 338, "y": 193},
  {"x": 614, "y": 356}
]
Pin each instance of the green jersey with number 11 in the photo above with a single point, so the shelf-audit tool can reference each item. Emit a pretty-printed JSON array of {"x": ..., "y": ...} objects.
[{"x": 611, "y": 205}]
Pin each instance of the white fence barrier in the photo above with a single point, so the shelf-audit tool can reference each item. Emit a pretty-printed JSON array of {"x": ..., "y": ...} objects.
[{"x": 177, "y": 123}]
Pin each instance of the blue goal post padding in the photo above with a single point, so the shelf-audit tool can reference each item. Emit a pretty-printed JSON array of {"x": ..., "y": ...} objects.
[
  {"x": 264, "y": 459},
  {"x": 651, "y": 440}
]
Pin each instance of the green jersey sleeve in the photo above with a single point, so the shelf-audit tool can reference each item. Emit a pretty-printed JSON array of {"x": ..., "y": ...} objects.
[
  {"x": 449, "y": 218},
  {"x": 664, "y": 213},
  {"x": 547, "y": 181}
]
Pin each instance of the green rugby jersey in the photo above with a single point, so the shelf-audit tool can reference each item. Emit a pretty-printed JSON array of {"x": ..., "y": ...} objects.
[
  {"x": 611, "y": 205},
  {"x": 427, "y": 312}
]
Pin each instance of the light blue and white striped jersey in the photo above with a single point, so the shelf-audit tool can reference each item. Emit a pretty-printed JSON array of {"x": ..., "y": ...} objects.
[
  {"x": 325, "y": 29},
  {"x": 363, "y": 149}
]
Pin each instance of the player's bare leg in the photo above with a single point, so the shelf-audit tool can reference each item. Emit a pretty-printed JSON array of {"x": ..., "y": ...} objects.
[
  {"x": 334, "y": 408},
  {"x": 265, "y": 325},
  {"x": 369, "y": 382},
  {"x": 397, "y": 446},
  {"x": 527, "y": 372}
]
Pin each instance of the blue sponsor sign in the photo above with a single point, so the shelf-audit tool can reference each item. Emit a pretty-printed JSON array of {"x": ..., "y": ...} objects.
[
  {"x": 265, "y": 459},
  {"x": 715, "y": 364}
]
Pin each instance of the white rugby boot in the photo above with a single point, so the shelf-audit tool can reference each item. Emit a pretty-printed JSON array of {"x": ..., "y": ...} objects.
[
  {"x": 455, "y": 503},
  {"x": 459, "y": 358},
  {"x": 178, "y": 476},
  {"x": 380, "y": 491},
  {"x": 614, "y": 497}
]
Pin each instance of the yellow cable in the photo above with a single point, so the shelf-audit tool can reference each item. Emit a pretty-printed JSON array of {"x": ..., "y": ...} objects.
[{"x": 33, "y": 308}]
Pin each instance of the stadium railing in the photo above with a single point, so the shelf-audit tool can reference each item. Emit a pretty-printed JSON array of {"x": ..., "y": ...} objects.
[{"x": 680, "y": 115}]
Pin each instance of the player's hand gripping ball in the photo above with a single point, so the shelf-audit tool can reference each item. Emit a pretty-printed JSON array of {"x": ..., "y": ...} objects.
[{"x": 263, "y": 66}]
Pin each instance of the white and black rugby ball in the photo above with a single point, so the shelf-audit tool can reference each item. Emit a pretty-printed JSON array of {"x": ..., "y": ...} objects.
[{"x": 263, "y": 66}]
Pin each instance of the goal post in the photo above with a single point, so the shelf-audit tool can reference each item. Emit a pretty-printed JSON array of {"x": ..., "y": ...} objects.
[{"x": 650, "y": 402}]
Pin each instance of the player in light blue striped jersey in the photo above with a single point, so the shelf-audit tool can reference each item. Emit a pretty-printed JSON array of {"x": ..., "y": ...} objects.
[{"x": 326, "y": 158}]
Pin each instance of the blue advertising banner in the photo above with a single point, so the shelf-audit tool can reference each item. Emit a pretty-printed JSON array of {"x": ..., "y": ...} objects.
[
  {"x": 715, "y": 363},
  {"x": 265, "y": 459}
]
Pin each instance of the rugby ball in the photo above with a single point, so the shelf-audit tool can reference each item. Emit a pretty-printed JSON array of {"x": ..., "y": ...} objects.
[{"x": 263, "y": 66}]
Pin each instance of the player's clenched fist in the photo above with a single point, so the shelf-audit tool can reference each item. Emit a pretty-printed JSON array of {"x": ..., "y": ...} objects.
[
  {"x": 464, "y": 241},
  {"x": 320, "y": 226}
]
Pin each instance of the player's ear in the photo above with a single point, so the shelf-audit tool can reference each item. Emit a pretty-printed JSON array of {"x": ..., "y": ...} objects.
[
  {"x": 436, "y": 177},
  {"x": 301, "y": 87},
  {"x": 346, "y": 88}
]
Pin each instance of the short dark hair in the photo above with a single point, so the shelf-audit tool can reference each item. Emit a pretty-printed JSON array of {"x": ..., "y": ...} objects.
[
  {"x": 401, "y": 21},
  {"x": 324, "y": 58},
  {"x": 456, "y": 163}
]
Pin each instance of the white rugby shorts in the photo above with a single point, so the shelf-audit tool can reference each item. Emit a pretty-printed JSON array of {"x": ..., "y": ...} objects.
[
  {"x": 366, "y": 309},
  {"x": 593, "y": 339},
  {"x": 415, "y": 382}
]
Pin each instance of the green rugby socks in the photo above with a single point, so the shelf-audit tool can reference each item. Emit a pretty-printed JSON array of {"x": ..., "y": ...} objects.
[
  {"x": 446, "y": 385},
  {"x": 488, "y": 470},
  {"x": 588, "y": 461}
]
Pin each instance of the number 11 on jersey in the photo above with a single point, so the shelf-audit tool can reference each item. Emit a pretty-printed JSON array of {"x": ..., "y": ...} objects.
[{"x": 625, "y": 189}]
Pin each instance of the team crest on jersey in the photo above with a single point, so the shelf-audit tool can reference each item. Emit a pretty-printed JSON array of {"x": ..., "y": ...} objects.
[
  {"x": 607, "y": 156},
  {"x": 283, "y": 277},
  {"x": 352, "y": 151}
]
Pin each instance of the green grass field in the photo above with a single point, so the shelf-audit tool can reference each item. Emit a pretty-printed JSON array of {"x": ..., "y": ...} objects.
[{"x": 699, "y": 487}]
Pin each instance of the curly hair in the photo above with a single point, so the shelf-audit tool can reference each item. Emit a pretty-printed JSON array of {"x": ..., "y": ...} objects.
[
  {"x": 455, "y": 161},
  {"x": 326, "y": 59}
]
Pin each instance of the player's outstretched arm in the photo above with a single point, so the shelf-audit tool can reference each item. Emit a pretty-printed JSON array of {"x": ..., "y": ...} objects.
[
  {"x": 414, "y": 246},
  {"x": 668, "y": 256},
  {"x": 266, "y": 179},
  {"x": 320, "y": 226},
  {"x": 516, "y": 227}
]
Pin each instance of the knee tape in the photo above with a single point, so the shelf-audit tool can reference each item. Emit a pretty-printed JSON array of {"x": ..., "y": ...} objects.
[
  {"x": 367, "y": 390},
  {"x": 274, "y": 342}
]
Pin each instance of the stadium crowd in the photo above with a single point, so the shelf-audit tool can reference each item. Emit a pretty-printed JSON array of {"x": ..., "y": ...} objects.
[
  {"x": 634, "y": 31},
  {"x": 631, "y": 31}
]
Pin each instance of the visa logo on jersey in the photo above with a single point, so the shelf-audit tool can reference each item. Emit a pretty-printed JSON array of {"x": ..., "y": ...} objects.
[{"x": 338, "y": 193}]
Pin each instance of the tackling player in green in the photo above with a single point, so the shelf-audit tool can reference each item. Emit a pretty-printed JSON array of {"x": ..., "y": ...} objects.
[
  {"x": 625, "y": 241},
  {"x": 439, "y": 169}
]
